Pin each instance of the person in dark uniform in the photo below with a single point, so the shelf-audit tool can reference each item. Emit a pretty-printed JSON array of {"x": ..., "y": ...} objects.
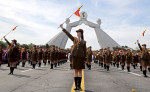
[
  {"x": 108, "y": 58},
  {"x": 24, "y": 56},
  {"x": 34, "y": 56},
  {"x": 18, "y": 56},
  {"x": 12, "y": 54},
  {"x": 56, "y": 56},
  {"x": 49, "y": 56},
  {"x": 52, "y": 49},
  {"x": 134, "y": 59},
  {"x": 70, "y": 58},
  {"x": 104, "y": 58},
  {"x": 145, "y": 58},
  {"x": 45, "y": 53},
  {"x": 1, "y": 53},
  {"x": 40, "y": 54},
  {"x": 79, "y": 55},
  {"x": 29, "y": 56},
  {"x": 89, "y": 57},
  {"x": 122, "y": 58},
  {"x": 101, "y": 57},
  {"x": 128, "y": 59},
  {"x": 139, "y": 58}
]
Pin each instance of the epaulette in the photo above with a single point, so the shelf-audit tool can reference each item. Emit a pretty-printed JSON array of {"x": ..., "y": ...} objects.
[
  {"x": 75, "y": 37},
  {"x": 84, "y": 41}
]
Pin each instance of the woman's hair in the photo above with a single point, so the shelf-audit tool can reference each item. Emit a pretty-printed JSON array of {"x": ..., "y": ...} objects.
[
  {"x": 81, "y": 31},
  {"x": 82, "y": 37}
]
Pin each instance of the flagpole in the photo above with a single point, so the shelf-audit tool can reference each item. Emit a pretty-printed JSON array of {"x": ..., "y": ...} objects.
[
  {"x": 6, "y": 35},
  {"x": 65, "y": 21},
  {"x": 9, "y": 32},
  {"x": 70, "y": 16},
  {"x": 141, "y": 35}
]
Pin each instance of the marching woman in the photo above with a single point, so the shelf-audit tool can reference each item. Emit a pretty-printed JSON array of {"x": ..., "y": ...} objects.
[
  {"x": 45, "y": 53},
  {"x": 40, "y": 54},
  {"x": 89, "y": 57},
  {"x": 18, "y": 56},
  {"x": 12, "y": 54},
  {"x": 117, "y": 58},
  {"x": 52, "y": 57},
  {"x": 134, "y": 59},
  {"x": 101, "y": 57},
  {"x": 49, "y": 56},
  {"x": 122, "y": 58},
  {"x": 70, "y": 57},
  {"x": 108, "y": 58},
  {"x": 128, "y": 59},
  {"x": 34, "y": 56},
  {"x": 24, "y": 56},
  {"x": 145, "y": 57},
  {"x": 78, "y": 55}
]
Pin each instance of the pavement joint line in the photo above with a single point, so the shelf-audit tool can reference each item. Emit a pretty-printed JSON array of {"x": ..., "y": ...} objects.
[
  {"x": 131, "y": 72},
  {"x": 30, "y": 69},
  {"x": 27, "y": 70},
  {"x": 82, "y": 84}
]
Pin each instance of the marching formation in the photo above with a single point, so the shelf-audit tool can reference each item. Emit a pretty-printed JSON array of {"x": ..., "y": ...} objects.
[
  {"x": 35, "y": 55},
  {"x": 106, "y": 57}
]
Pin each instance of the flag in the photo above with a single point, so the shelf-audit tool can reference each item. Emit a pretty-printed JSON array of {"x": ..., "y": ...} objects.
[
  {"x": 77, "y": 12},
  {"x": 144, "y": 32},
  {"x": 14, "y": 28}
]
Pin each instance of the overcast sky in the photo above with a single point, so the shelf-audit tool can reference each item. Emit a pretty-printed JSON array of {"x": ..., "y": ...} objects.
[{"x": 37, "y": 20}]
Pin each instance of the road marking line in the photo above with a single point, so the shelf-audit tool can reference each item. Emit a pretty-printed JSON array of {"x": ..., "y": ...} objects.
[
  {"x": 72, "y": 90},
  {"x": 131, "y": 72},
  {"x": 32, "y": 69},
  {"x": 135, "y": 73},
  {"x": 82, "y": 84},
  {"x": 26, "y": 70}
]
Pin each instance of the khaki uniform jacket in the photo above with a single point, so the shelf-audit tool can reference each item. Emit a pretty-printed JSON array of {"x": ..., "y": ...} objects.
[
  {"x": 12, "y": 53},
  {"x": 80, "y": 49}
]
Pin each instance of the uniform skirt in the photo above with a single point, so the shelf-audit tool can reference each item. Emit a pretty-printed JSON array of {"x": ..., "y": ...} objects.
[
  {"x": 78, "y": 63},
  {"x": 145, "y": 62}
]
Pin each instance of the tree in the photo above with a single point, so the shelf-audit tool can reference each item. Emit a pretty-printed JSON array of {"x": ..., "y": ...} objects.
[
  {"x": 47, "y": 46},
  {"x": 4, "y": 45},
  {"x": 30, "y": 45},
  {"x": 25, "y": 45}
]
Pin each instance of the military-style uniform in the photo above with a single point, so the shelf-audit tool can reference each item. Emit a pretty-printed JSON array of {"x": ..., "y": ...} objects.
[
  {"x": 49, "y": 56},
  {"x": 52, "y": 57},
  {"x": 40, "y": 54},
  {"x": 128, "y": 60},
  {"x": 122, "y": 60},
  {"x": 12, "y": 55},
  {"x": 29, "y": 55},
  {"x": 34, "y": 57},
  {"x": 45, "y": 54},
  {"x": 24, "y": 57},
  {"x": 100, "y": 58},
  {"x": 89, "y": 56},
  {"x": 78, "y": 52},
  {"x": 108, "y": 58},
  {"x": 70, "y": 58},
  {"x": 78, "y": 55},
  {"x": 134, "y": 60},
  {"x": 18, "y": 57},
  {"x": 145, "y": 58}
]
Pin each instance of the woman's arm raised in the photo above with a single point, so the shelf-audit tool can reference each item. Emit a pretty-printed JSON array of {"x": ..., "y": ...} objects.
[{"x": 66, "y": 32}]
